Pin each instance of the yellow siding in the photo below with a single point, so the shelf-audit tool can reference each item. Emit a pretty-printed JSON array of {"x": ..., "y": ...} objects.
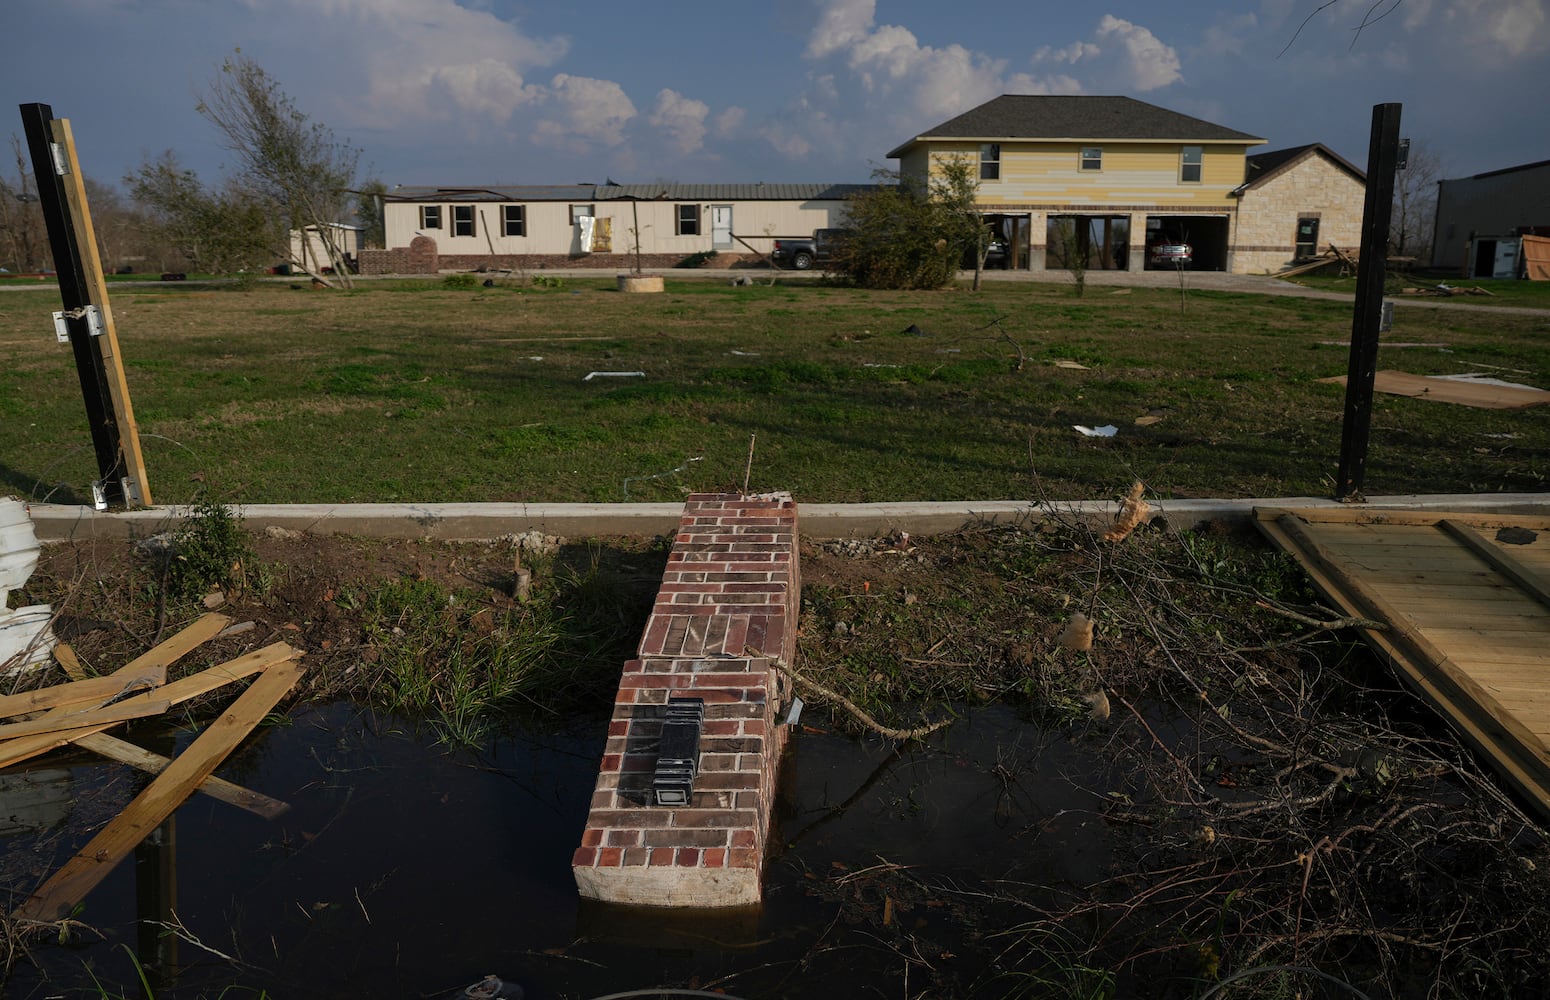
[{"x": 1049, "y": 173}]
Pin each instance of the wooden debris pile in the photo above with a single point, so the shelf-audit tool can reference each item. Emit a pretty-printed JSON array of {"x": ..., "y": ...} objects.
[
  {"x": 1445, "y": 290},
  {"x": 80, "y": 711},
  {"x": 1346, "y": 258}
]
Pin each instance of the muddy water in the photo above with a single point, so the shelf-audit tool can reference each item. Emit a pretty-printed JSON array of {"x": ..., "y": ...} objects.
[{"x": 404, "y": 870}]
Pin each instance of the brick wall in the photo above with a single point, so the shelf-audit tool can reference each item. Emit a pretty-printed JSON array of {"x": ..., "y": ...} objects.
[{"x": 729, "y": 594}]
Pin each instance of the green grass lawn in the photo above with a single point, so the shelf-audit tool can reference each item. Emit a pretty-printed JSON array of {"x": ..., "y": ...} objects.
[{"x": 412, "y": 391}]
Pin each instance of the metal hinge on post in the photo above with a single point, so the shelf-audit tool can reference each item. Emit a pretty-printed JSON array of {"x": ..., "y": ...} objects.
[
  {"x": 61, "y": 159},
  {"x": 91, "y": 314}
]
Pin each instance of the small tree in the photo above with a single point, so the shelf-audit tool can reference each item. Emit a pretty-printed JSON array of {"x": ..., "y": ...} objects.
[
  {"x": 286, "y": 160},
  {"x": 25, "y": 246},
  {"x": 900, "y": 237},
  {"x": 1414, "y": 214},
  {"x": 368, "y": 213},
  {"x": 955, "y": 188},
  {"x": 1070, "y": 244}
]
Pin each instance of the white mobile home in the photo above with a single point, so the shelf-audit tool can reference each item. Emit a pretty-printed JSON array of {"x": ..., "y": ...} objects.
[{"x": 599, "y": 225}]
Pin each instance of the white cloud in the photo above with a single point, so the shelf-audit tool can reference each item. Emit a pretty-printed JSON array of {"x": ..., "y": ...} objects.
[
  {"x": 730, "y": 120},
  {"x": 588, "y": 111},
  {"x": 1151, "y": 64},
  {"x": 682, "y": 118},
  {"x": 416, "y": 59},
  {"x": 842, "y": 24},
  {"x": 489, "y": 87},
  {"x": 1514, "y": 28},
  {"x": 1071, "y": 54}
]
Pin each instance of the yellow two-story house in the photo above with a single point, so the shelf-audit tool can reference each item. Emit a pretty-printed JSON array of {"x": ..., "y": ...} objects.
[{"x": 1109, "y": 178}]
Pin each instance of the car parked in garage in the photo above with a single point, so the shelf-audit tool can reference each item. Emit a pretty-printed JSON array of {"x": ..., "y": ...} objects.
[{"x": 1171, "y": 254}]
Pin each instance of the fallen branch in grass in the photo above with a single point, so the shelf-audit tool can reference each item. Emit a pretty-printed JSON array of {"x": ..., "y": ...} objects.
[{"x": 856, "y": 712}]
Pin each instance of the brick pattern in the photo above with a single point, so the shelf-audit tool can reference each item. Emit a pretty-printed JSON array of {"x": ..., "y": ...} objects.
[{"x": 728, "y": 604}]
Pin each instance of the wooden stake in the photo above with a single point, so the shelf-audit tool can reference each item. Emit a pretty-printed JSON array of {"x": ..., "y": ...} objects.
[{"x": 97, "y": 292}]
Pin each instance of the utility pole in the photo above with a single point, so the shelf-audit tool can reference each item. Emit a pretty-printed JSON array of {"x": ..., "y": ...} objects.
[{"x": 86, "y": 321}]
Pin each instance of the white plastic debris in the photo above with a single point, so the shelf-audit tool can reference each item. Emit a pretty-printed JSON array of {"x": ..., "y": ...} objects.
[
  {"x": 1106, "y": 431},
  {"x": 25, "y": 638},
  {"x": 594, "y": 375}
]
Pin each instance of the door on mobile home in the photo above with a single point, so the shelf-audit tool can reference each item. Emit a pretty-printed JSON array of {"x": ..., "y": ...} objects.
[{"x": 721, "y": 227}]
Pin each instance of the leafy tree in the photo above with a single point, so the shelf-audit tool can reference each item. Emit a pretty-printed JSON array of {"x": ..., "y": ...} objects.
[
  {"x": 286, "y": 161},
  {"x": 224, "y": 231},
  {"x": 901, "y": 236}
]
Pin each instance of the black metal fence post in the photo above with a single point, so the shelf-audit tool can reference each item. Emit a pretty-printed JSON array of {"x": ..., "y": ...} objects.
[{"x": 1382, "y": 158}]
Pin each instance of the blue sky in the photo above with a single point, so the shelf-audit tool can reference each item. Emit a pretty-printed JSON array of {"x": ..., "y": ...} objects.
[{"x": 476, "y": 92}]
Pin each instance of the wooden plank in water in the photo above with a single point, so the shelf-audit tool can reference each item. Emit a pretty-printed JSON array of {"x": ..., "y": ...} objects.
[
  {"x": 68, "y": 886},
  {"x": 153, "y": 763},
  {"x": 176, "y": 692}
]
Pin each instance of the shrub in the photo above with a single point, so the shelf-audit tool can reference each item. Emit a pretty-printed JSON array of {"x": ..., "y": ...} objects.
[{"x": 210, "y": 550}]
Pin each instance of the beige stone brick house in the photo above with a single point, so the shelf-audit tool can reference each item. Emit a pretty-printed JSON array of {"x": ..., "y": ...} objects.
[{"x": 1294, "y": 204}]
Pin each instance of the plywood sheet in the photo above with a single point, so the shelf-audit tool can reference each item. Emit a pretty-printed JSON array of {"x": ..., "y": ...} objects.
[
  {"x": 1466, "y": 602},
  {"x": 1481, "y": 393}
]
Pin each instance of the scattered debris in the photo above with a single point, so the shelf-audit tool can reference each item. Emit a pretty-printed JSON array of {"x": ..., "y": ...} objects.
[
  {"x": 1077, "y": 637},
  {"x": 914, "y": 331},
  {"x": 1445, "y": 290},
  {"x": 77, "y": 711},
  {"x": 1106, "y": 431},
  {"x": 1132, "y": 512},
  {"x": 1073, "y": 365},
  {"x": 593, "y": 375},
  {"x": 745, "y": 354},
  {"x": 25, "y": 636},
  {"x": 1148, "y": 420},
  {"x": 1465, "y": 390}
]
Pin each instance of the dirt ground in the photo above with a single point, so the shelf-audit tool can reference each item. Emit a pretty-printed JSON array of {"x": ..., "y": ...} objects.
[{"x": 1285, "y": 802}]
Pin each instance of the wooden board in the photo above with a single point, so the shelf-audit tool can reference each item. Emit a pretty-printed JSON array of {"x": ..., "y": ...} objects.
[
  {"x": 68, "y": 886},
  {"x": 123, "y": 711},
  {"x": 1467, "y": 603},
  {"x": 178, "y": 691},
  {"x": 91, "y": 691},
  {"x": 1483, "y": 395},
  {"x": 153, "y": 763}
]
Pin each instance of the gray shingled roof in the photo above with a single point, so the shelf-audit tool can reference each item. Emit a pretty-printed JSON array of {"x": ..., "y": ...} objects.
[
  {"x": 1043, "y": 116},
  {"x": 643, "y": 192},
  {"x": 1263, "y": 166}
]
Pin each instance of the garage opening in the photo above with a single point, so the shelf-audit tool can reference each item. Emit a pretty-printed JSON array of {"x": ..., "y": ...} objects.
[
  {"x": 1102, "y": 241},
  {"x": 1010, "y": 245},
  {"x": 1205, "y": 235}
]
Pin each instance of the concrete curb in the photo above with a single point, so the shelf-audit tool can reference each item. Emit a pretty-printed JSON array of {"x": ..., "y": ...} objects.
[{"x": 484, "y": 521}]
